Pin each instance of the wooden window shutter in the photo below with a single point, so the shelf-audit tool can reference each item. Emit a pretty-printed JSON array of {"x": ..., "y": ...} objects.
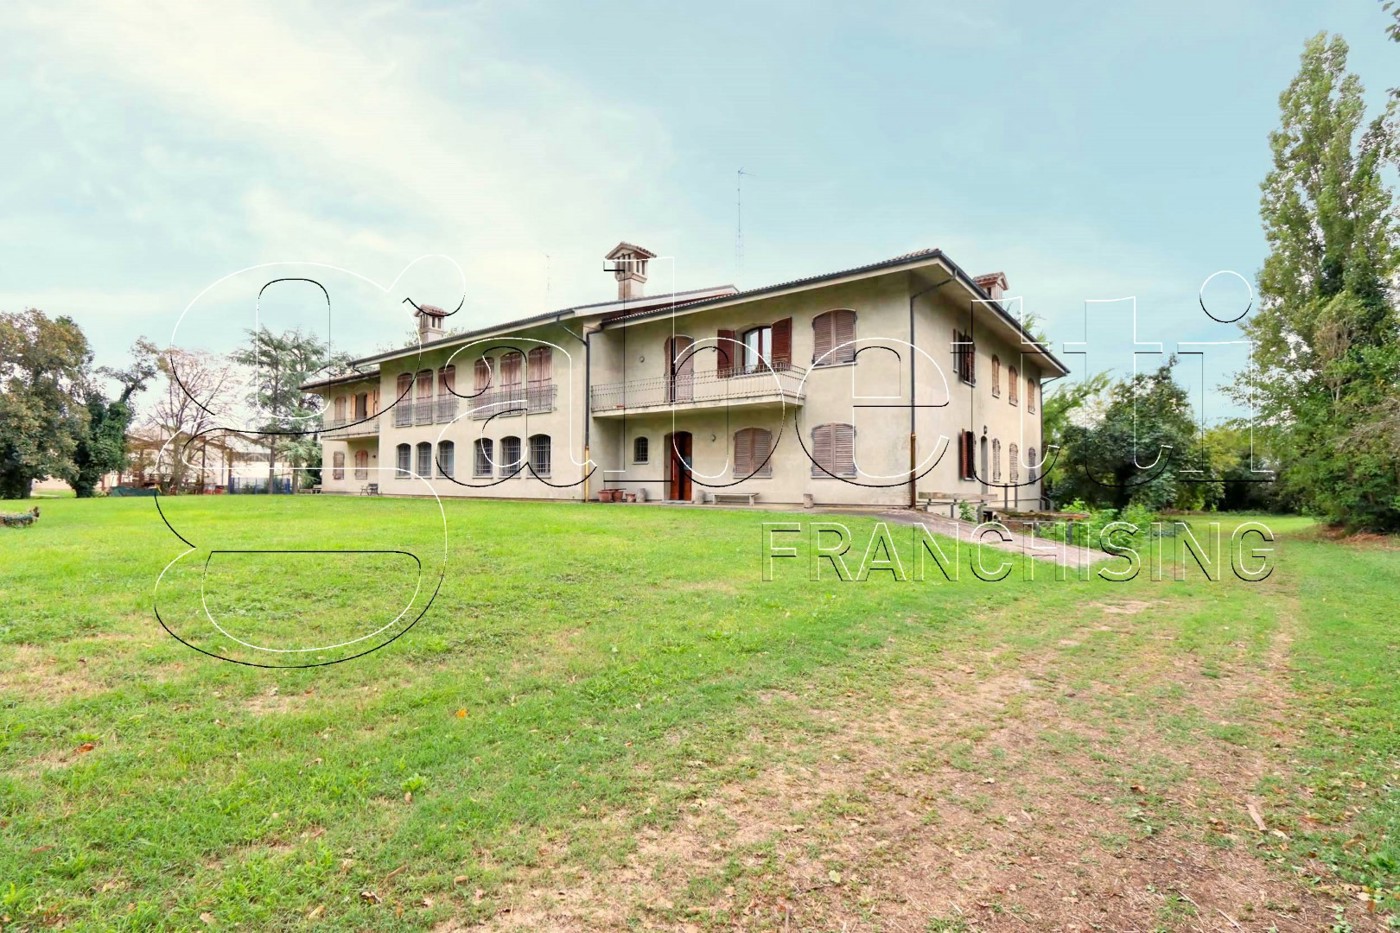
[
  {"x": 743, "y": 452},
  {"x": 823, "y": 336},
  {"x": 844, "y": 325},
  {"x": 447, "y": 380},
  {"x": 510, "y": 368},
  {"x": 405, "y": 384},
  {"x": 843, "y": 450},
  {"x": 996, "y": 376},
  {"x": 762, "y": 445},
  {"x": 728, "y": 347},
  {"x": 425, "y": 384},
  {"x": 965, "y": 454},
  {"x": 1013, "y": 383},
  {"x": 821, "y": 449},
  {"x": 782, "y": 344},
  {"x": 482, "y": 373},
  {"x": 540, "y": 365}
]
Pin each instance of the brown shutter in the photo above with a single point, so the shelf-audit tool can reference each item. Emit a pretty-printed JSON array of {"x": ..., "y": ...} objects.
[
  {"x": 405, "y": 384},
  {"x": 727, "y": 355},
  {"x": 743, "y": 452},
  {"x": 843, "y": 450},
  {"x": 782, "y": 344},
  {"x": 823, "y": 333},
  {"x": 541, "y": 365},
  {"x": 762, "y": 442},
  {"x": 821, "y": 449},
  {"x": 425, "y": 384},
  {"x": 447, "y": 380},
  {"x": 844, "y": 327},
  {"x": 965, "y": 445},
  {"x": 510, "y": 368},
  {"x": 482, "y": 372}
]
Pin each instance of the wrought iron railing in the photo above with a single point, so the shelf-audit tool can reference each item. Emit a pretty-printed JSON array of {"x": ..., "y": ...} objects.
[
  {"x": 699, "y": 389},
  {"x": 351, "y": 427},
  {"x": 513, "y": 400}
]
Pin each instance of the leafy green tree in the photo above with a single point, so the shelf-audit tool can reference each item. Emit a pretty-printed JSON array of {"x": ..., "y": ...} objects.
[
  {"x": 101, "y": 447},
  {"x": 1136, "y": 448},
  {"x": 1326, "y": 331},
  {"x": 43, "y": 381},
  {"x": 282, "y": 364}
]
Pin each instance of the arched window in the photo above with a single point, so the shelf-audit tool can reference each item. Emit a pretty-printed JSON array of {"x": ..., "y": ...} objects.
[
  {"x": 425, "y": 459},
  {"x": 1030, "y": 394},
  {"x": 539, "y": 367},
  {"x": 641, "y": 450},
  {"x": 751, "y": 453},
  {"x": 362, "y": 464},
  {"x": 1014, "y": 464},
  {"x": 404, "y": 386},
  {"x": 996, "y": 376},
  {"x": 996, "y": 460},
  {"x": 340, "y": 408},
  {"x": 834, "y": 450},
  {"x": 833, "y": 337},
  {"x": 481, "y": 373},
  {"x": 511, "y": 363},
  {"x": 483, "y": 460},
  {"x": 447, "y": 380},
  {"x": 510, "y": 456},
  {"x": 447, "y": 459},
  {"x": 403, "y": 461},
  {"x": 540, "y": 454},
  {"x": 425, "y": 386},
  {"x": 1013, "y": 384},
  {"x": 338, "y": 470},
  {"x": 1031, "y": 464}
]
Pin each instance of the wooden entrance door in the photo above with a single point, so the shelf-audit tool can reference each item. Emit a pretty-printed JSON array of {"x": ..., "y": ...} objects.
[{"x": 678, "y": 460}]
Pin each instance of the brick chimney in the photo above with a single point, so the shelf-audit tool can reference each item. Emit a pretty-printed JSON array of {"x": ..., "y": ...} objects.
[
  {"x": 993, "y": 283},
  {"x": 429, "y": 322},
  {"x": 629, "y": 267}
]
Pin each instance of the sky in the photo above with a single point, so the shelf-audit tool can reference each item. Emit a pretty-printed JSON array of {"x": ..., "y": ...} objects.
[{"x": 1088, "y": 151}]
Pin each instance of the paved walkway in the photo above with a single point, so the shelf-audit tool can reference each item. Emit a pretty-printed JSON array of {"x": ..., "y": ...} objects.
[{"x": 1038, "y": 548}]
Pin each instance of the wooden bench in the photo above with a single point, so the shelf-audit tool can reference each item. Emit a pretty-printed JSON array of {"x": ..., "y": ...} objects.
[
  {"x": 735, "y": 498},
  {"x": 929, "y": 499}
]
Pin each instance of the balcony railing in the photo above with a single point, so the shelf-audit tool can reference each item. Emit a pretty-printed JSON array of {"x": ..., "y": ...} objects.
[
  {"x": 351, "y": 427},
  {"x": 441, "y": 410},
  {"x": 513, "y": 400},
  {"x": 701, "y": 390}
]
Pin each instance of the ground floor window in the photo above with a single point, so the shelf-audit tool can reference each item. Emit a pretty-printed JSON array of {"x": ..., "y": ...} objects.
[
  {"x": 834, "y": 450},
  {"x": 641, "y": 450},
  {"x": 425, "y": 459},
  {"x": 510, "y": 456},
  {"x": 403, "y": 461},
  {"x": 752, "y": 447},
  {"x": 362, "y": 464},
  {"x": 338, "y": 467},
  {"x": 539, "y": 454},
  {"x": 481, "y": 463},
  {"x": 447, "y": 459}
]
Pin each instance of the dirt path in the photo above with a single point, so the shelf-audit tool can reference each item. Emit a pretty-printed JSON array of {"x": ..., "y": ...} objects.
[{"x": 1104, "y": 782}]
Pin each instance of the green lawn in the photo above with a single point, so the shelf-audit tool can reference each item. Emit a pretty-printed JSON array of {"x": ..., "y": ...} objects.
[{"x": 590, "y": 679}]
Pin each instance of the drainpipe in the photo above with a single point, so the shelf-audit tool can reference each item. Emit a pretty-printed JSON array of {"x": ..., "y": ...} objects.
[
  {"x": 913, "y": 361},
  {"x": 587, "y": 403}
]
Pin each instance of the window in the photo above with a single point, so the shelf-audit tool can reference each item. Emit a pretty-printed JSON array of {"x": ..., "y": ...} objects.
[
  {"x": 540, "y": 366},
  {"x": 641, "y": 450},
  {"x": 362, "y": 464},
  {"x": 1030, "y": 394},
  {"x": 996, "y": 460},
  {"x": 510, "y": 456},
  {"x": 481, "y": 373},
  {"x": 425, "y": 459},
  {"x": 833, "y": 450},
  {"x": 405, "y": 384},
  {"x": 338, "y": 471},
  {"x": 1013, "y": 384},
  {"x": 403, "y": 461},
  {"x": 1015, "y": 463},
  {"x": 481, "y": 462},
  {"x": 996, "y": 376},
  {"x": 447, "y": 380},
  {"x": 362, "y": 406},
  {"x": 964, "y": 357},
  {"x": 340, "y": 409},
  {"x": 758, "y": 349},
  {"x": 425, "y": 385},
  {"x": 833, "y": 336},
  {"x": 967, "y": 447},
  {"x": 447, "y": 459},
  {"x": 511, "y": 363},
  {"x": 1031, "y": 464},
  {"x": 751, "y": 453},
  {"x": 539, "y": 454}
]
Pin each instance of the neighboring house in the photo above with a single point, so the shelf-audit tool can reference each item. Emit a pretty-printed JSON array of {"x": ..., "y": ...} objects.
[
  {"x": 798, "y": 392},
  {"x": 215, "y": 461}
]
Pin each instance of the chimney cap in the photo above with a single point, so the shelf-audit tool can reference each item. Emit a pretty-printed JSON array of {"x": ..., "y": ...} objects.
[
  {"x": 431, "y": 311},
  {"x": 631, "y": 250},
  {"x": 991, "y": 281}
]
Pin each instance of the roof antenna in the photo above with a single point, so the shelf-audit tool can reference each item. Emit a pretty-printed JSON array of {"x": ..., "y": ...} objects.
[{"x": 739, "y": 224}]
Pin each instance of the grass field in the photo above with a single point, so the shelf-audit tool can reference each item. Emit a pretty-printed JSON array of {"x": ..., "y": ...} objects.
[{"x": 608, "y": 719}]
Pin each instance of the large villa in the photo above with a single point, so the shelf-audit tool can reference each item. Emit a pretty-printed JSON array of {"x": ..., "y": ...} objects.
[{"x": 876, "y": 385}]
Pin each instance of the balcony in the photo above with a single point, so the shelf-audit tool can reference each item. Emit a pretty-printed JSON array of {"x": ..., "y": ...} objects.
[
  {"x": 756, "y": 388},
  {"x": 440, "y": 410},
  {"x": 347, "y": 427},
  {"x": 514, "y": 400}
]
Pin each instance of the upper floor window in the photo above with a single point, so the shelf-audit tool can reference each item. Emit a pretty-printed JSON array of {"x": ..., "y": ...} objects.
[
  {"x": 1030, "y": 394},
  {"x": 758, "y": 348},
  {"x": 833, "y": 337},
  {"x": 403, "y": 461},
  {"x": 641, "y": 450},
  {"x": 405, "y": 385},
  {"x": 834, "y": 450},
  {"x": 425, "y": 384},
  {"x": 340, "y": 408},
  {"x": 362, "y": 406},
  {"x": 540, "y": 365},
  {"x": 482, "y": 459},
  {"x": 447, "y": 380},
  {"x": 996, "y": 376},
  {"x": 752, "y": 447},
  {"x": 481, "y": 373},
  {"x": 1013, "y": 383},
  {"x": 964, "y": 357},
  {"x": 447, "y": 459},
  {"x": 540, "y": 454},
  {"x": 338, "y": 465},
  {"x": 425, "y": 459},
  {"x": 511, "y": 363}
]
